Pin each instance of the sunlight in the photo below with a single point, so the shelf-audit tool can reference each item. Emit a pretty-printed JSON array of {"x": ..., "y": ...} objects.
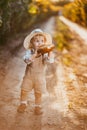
[
  {"x": 33, "y": 9},
  {"x": 32, "y": 98},
  {"x": 61, "y": 102},
  {"x": 56, "y": 106}
]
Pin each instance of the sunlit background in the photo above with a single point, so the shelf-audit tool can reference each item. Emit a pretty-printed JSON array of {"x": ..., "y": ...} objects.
[
  {"x": 66, "y": 22},
  {"x": 16, "y": 14}
]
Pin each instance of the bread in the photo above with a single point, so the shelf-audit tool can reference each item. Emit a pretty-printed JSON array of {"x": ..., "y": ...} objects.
[{"x": 45, "y": 49}]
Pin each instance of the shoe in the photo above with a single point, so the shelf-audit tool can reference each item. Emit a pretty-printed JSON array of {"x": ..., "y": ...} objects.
[
  {"x": 38, "y": 111},
  {"x": 22, "y": 108}
]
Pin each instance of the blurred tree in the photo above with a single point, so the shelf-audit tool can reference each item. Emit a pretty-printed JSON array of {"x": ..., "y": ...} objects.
[
  {"x": 12, "y": 15},
  {"x": 77, "y": 12},
  {"x": 19, "y": 15},
  {"x": 33, "y": 9},
  {"x": 4, "y": 14}
]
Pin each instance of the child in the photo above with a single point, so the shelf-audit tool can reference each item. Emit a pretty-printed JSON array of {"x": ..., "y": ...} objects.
[{"x": 36, "y": 67}]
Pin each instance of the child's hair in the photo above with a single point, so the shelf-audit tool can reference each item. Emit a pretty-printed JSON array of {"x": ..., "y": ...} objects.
[{"x": 32, "y": 39}]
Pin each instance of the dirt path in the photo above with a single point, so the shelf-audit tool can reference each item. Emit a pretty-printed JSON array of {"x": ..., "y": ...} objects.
[{"x": 59, "y": 113}]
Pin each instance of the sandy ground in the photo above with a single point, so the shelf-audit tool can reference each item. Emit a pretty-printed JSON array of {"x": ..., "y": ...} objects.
[{"x": 65, "y": 106}]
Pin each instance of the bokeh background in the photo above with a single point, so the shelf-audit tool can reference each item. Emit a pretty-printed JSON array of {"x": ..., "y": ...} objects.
[
  {"x": 17, "y": 16},
  {"x": 66, "y": 106}
]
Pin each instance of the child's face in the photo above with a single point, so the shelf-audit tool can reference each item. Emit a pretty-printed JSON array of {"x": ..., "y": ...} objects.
[{"x": 38, "y": 41}]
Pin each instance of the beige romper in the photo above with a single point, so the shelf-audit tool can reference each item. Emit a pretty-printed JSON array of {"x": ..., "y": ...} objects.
[{"x": 34, "y": 79}]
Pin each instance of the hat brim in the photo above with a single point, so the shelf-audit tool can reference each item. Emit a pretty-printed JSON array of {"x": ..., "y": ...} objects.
[{"x": 27, "y": 40}]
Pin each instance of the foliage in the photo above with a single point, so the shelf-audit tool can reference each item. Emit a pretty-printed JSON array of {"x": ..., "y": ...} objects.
[
  {"x": 12, "y": 15},
  {"x": 62, "y": 2},
  {"x": 19, "y": 15},
  {"x": 77, "y": 12},
  {"x": 33, "y": 9},
  {"x": 62, "y": 36}
]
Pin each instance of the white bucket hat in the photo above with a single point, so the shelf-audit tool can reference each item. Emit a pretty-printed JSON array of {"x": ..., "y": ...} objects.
[{"x": 32, "y": 34}]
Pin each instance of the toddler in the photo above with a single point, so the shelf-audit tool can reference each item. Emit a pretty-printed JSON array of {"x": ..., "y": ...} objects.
[{"x": 34, "y": 77}]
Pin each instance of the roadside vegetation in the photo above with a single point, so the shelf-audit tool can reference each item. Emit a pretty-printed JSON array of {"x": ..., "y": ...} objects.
[
  {"x": 72, "y": 54},
  {"x": 19, "y": 15},
  {"x": 77, "y": 12},
  {"x": 63, "y": 39},
  {"x": 62, "y": 36}
]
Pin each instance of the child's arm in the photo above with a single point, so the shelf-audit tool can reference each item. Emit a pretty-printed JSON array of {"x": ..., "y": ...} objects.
[
  {"x": 49, "y": 57},
  {"x": 27, "y": 57}
]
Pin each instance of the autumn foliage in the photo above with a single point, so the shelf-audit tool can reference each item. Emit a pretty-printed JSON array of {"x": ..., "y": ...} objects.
[
  {"x": 19, "y": 15},
  {"x": 77, "y": 12}
]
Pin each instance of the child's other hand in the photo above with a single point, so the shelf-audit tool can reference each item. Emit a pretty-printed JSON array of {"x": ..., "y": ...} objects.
[
  {"x": 31, "y": 59},
  {"x": 27, "y": 59}
]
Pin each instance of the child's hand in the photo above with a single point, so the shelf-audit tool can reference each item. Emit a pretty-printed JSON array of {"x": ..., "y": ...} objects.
[
  {"x": 49, "y": 57},
  {"x": 28, "y": 61},
  {"x": 31, "y": 59}
]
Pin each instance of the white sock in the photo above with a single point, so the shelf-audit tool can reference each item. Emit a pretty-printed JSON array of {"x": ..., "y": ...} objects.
[{"x": 24, "y": 102}]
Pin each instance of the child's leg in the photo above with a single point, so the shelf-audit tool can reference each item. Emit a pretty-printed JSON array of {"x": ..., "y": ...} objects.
[
  {"x": 38, "y": 108},
  {"x": 38, "y": 95},
  {"x": 23, "y": 101},
  {"x": 25, "y": 89}
]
